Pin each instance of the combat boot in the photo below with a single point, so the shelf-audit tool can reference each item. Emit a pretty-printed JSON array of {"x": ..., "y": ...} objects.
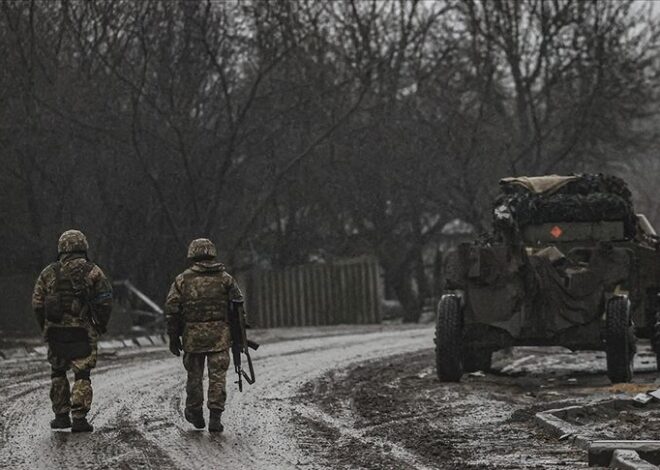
[
  {"x": 195, "y": 417},
  {"x": 81, "y": 425},
  {"x": 215, "y": 421},
  {"x": 61, "y": 421}
]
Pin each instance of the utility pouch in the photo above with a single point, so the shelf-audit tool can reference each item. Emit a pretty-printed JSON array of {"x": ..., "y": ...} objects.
[
  {"x": 68, "y": 342},
  {"x": 53, "y": 307},
  {"x": 53, "y": 302}
]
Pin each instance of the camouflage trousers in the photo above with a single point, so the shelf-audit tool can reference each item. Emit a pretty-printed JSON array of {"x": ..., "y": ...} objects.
[
  {"x": 76, "y": 399},
  {"x": 217, "y": 362}
]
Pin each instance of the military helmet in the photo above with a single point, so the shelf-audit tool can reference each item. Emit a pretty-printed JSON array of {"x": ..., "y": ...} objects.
[
  {"x": 72, "y": 241},
  {"x": 201, "y": 248}
]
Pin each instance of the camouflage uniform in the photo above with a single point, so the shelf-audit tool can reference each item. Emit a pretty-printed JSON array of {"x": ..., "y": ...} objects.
[
  {"x": 80, "y": 287},
  {"x": 196, "y": 309}
]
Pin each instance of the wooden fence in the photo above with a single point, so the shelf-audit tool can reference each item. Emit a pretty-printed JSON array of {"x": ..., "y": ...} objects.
[{"x": 318, "y": 294}]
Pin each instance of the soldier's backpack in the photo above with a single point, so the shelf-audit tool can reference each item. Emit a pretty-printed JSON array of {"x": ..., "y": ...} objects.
[{"x": 69, "y": 295}]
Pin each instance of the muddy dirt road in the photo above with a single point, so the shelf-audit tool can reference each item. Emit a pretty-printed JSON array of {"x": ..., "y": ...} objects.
[
  {"x": 137, "y": 410},
  {"x": 344, "y": 401},
  {"x": 394, "y": 413}
]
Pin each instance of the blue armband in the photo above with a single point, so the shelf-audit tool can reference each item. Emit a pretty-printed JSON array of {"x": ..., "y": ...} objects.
[{"x": 101, "y": 297}]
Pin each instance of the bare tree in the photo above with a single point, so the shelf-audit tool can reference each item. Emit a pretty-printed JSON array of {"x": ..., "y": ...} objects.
[{"x": 290, "y": 131}]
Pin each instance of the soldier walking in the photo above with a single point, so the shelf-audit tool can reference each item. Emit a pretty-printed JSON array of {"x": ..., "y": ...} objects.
[
  {"x": 196, "y": 309},
  {"x": 72, "y": 301}
]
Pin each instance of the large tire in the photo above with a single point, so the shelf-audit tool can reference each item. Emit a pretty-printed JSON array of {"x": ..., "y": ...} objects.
[
  {"x": 475, "y": 359},
  {"x": 619, "y": 340},
  {"x": 449, "y": 339}
]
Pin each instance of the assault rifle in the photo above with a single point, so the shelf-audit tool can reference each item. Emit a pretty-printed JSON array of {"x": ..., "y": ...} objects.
[{"x": 240, "y": 344}]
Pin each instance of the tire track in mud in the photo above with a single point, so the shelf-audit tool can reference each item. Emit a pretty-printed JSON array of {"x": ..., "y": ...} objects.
[
  {"x": 394, "y": 413},
  {"x": 399, "y": 454},
  {"x": 137, "y": 410}
]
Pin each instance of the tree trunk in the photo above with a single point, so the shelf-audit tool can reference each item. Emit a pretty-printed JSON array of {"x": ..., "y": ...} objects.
[{"x": 400, "y": 280}]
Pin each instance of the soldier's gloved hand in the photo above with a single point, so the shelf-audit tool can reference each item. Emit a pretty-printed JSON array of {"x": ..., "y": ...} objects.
[{"x": 175, "y": 345}]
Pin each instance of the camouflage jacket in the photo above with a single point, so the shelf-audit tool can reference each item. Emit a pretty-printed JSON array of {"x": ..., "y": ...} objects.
[
  {"x": 197, "y": 306},
  {"x": 93, "y": 294}
]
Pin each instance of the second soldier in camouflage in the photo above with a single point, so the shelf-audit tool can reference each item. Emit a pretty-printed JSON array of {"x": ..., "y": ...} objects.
[{"x": 196, "y": 309}]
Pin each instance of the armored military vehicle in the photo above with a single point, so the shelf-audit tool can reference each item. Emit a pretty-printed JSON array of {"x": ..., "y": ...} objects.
[{"x": 568, "y": 263}]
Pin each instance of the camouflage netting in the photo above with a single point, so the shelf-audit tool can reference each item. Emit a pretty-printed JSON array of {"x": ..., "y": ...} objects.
[{"x": 589, "y": 198}]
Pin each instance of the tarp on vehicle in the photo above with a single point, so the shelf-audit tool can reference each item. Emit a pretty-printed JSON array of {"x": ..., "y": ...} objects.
[
  {"x": 540, "y": 184},
  {"x": 551, "y": 296},
  {"x": 568, "y": 295}
]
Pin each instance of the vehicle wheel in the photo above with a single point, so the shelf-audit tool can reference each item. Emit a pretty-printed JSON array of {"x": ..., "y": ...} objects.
[
  {"x": 449, "y": 339},
  {"x": 475, "y": 359},
  {"x": 619, "y": 340}
]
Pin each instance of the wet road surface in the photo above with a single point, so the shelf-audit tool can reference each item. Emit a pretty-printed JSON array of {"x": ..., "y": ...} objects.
[
  {"x": 395, "y": 413},
  {"x": 368, "y": 400},
  {"x": 137, "y": 410}
]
